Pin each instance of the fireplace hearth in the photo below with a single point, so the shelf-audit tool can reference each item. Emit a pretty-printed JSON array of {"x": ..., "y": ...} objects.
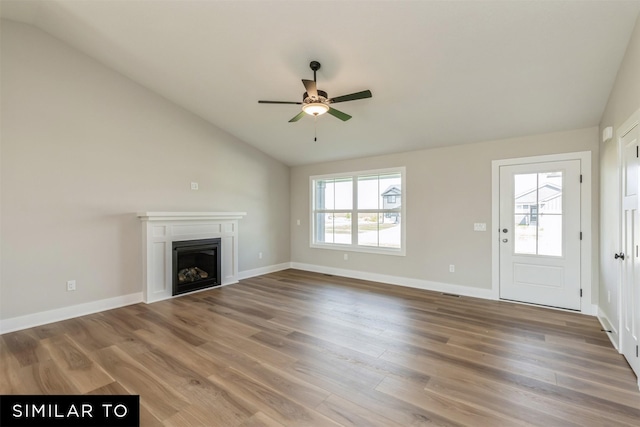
[{"x": 196, "y": 265}]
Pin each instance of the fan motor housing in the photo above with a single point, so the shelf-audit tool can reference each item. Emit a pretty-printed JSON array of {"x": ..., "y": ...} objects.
[{"x": 322, "y": 97}]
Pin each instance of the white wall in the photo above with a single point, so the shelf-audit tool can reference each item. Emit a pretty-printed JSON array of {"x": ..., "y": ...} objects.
[
  {"x": 624, "y": 100},
  {"x": 83, "y": 149},
  {"x": 448, "y": 189}
]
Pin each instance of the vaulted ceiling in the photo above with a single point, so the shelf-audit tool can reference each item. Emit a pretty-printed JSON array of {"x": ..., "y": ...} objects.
[{"x": 441, "y": 72}]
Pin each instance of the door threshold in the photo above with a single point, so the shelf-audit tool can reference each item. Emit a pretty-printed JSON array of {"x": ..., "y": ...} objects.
[{"x": 570, "y": 310}]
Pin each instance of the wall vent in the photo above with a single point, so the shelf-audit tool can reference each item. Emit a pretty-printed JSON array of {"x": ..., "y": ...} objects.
[{"x": 450, "y": 295}]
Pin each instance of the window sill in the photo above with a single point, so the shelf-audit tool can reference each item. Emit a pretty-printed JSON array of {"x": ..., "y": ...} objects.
[{"x": 361, "y": 249}]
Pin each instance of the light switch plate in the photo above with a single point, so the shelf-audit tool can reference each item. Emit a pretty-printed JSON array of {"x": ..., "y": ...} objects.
[{"x": 480, "y": 226}]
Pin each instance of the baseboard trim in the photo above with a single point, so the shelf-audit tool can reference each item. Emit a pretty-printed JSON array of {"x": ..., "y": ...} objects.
[
  {"x": 246, "y": 274},
  {"x": 607, "y": 325},
  {"x": 398, "y": 280},
  {"x": 593, "y": 310},
  {"x": 50, "y": 316},
  {"x": 36, "y": 319}
]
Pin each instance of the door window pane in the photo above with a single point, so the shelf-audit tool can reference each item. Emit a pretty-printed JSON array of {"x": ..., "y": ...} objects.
[
  {"x": 524, "y": 241},
  {"x": 550, "y": 235},
  {"x": 538, "y": 213}
]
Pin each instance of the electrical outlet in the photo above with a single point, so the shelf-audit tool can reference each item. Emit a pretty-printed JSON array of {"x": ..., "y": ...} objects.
[
  {"x": 346, "y": 257},
  {"x": 298, "y": 222},
  {"x": 71, "y": 285},
  {"x": 259, "y": 255},
  {"x": 452, "y": 268},
  {"x": 608, "y": 296},
  {"x": 194, "y": 185}
]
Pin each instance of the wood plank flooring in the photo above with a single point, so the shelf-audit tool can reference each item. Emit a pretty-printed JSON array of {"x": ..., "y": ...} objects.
[{"x": 295, "y": 348}]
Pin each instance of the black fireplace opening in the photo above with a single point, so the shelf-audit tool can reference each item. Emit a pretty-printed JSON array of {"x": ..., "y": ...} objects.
[{"x": 196, "y": 265}]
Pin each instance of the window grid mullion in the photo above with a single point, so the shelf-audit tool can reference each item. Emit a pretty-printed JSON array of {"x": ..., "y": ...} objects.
[
  {"x": 378, "y": 199},
  {"x": 354, "y": 208}
]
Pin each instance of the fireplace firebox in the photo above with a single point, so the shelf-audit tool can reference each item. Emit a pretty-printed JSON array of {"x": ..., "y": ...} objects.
[{"x": 196, "y": 265}]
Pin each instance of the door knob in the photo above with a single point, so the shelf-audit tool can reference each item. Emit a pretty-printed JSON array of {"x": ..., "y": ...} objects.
[
  {"x": 504, "y": 230},
  {"x": 620, "y": 255},
  {"x": 505, "y": 240}
]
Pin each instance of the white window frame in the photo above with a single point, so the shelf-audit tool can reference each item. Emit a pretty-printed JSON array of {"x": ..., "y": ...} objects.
[{"x": 353, "y": 247}]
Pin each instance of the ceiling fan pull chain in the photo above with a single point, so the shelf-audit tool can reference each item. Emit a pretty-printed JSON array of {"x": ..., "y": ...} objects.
[{"x": 315, "y": 128}]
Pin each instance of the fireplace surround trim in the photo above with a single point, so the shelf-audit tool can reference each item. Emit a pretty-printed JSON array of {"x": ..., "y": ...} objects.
[
  {"x": 189, "y": 216},
  {"x": 161, "y": 229}
]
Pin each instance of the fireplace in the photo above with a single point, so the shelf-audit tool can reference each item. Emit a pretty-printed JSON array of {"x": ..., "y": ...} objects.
[
  {"x": 196, "y": 265},
  {"x": 161, "y": 229}
]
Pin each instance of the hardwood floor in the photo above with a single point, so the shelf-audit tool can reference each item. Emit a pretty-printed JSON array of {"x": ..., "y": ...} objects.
[{"x": 302, "y": 349}]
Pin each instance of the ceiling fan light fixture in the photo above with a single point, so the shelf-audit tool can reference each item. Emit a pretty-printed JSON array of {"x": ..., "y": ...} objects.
[
  {"x": 316, "y": 102},
  {"x": 315, "y": 108}
]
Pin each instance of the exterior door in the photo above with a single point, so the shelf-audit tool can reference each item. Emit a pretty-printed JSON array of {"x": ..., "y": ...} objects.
[
  {"x": 540, "y": 233},
  {"x": 630, "y": 278}
]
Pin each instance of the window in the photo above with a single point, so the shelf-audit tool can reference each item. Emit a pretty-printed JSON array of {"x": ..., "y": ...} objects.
[
  {"x": 533, "y": 214},
  {"x": 361, "y": 211},
  {"x": 538, "y": 224}
]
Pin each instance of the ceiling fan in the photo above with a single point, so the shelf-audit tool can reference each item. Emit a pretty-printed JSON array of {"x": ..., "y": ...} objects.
[{"x": 316, "y": 102}]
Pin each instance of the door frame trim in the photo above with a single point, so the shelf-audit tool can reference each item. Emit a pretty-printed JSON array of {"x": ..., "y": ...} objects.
[
  {"x": 586, "y": 253},
  {"x": 620, "y": 133}
]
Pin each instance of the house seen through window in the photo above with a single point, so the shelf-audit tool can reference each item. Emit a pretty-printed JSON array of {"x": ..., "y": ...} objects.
[{"x": 359, "y": 211}]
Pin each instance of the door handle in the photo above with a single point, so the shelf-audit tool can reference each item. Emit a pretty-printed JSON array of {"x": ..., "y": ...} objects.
[
  {"x": 620, "y": 255},
  {"x": 505, "y": 240}
]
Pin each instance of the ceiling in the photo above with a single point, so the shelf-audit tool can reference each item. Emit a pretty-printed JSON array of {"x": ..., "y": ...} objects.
[{"x": 441, "y": 72}]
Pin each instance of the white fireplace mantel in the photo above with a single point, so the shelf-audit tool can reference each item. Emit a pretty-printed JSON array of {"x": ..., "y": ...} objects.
[{"x": 161, "y": 229}]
